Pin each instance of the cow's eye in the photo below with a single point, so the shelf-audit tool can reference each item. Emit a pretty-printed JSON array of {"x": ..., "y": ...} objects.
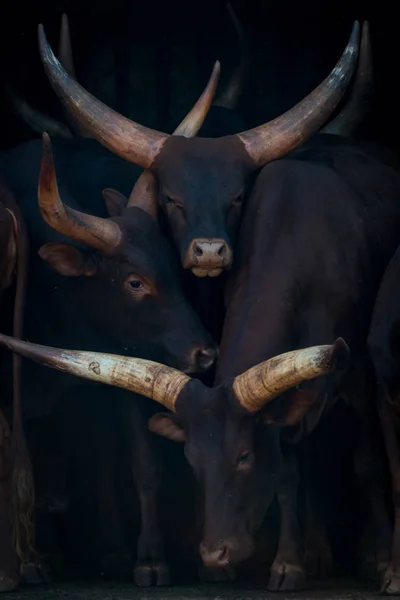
[
  {"x": 245, "y": 460},
  {"x": 135, "y": 284},
  {"x": 174, "y": 203},
  {"x": 244, "y": 457},
  {"x": 238, "y": 200}
]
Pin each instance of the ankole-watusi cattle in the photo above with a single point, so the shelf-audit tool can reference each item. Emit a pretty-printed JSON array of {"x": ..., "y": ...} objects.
[
  {"x": 115, "y": 282},
  {"x": 202, "y": 181},
  {"x": 16, "y": 486},
  {"x": 384, "y": 346},
  {"x": 319, "y": 229}
]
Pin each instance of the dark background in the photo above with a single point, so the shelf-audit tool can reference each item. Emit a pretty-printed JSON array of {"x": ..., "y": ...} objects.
[{"x": 161, "y": 53}]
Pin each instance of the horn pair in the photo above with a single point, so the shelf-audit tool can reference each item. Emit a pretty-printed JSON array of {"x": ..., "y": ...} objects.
[
  {"x": 141, "y": 145},
  {"x": 103, "y": 234},
  {"x": 253, "y": 389}
]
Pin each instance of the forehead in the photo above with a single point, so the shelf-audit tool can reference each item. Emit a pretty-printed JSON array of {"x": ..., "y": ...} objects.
[
  {"x": 145, "y": 249},
  {"x": 213, "y": 411},
  {"x": 203, "y": 163}
]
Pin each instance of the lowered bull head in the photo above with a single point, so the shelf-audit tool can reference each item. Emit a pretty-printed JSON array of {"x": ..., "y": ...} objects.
[
  {"x": 202, "y": 181},
  {"x": 218, "y": 424},
  {"x": 132, "y": 269}
]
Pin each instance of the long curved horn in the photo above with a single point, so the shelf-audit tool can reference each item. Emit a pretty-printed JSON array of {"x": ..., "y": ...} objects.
[
  {"x": 102, "y": 234},
  {"x": 134, "y": 142},
  {"x": 229, "y": 97},
  {"x": 144, "y": 193},
  {"x": 153, "y": 380},
  {"x": 278, "y": 137},
  {"x": 65, "y": 55},
  {"x": 38, "y": 121},
  {"x": 358, "y": 103},
  {"x": 263, "y": 382},
  {"x": 193, "y": 121}
]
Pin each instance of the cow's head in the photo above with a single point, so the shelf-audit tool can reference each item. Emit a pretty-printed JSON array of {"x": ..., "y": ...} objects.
[
  {"x": 127, "y": 276},
  {"x": 221, "y": 427},
  {"x": 202, "y": 181}
]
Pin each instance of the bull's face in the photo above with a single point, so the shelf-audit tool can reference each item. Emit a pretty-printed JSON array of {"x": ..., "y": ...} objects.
[
  {"x": 202, "y": 181},
  {"x": 128, "y": 282},
  {"x": 236, "y": 457},
  {"x": 202, "y": 188},
  {"x": 235, "y": 461},
  {"x": 134, "y": 296}
]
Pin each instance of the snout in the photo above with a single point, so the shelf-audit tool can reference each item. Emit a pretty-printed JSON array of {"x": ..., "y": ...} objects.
[
  {"x": 226, "y": 552},
  {"x": 201, "y": 359},
  {"x": 208, "y": 257}
]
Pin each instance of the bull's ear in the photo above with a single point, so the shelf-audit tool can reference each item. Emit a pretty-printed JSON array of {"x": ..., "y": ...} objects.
[
  {"x": 115, "y": 202},
  {"x": 167, "y": 425},
  {"x": 68, "y": 260},
  {"x": 290, "y": 409}
]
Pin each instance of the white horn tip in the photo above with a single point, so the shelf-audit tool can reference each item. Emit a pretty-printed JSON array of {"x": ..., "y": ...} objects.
[{"x": 339, "y": 354}]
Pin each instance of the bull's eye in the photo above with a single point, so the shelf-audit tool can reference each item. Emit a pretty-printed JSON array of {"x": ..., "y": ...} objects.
[
  {"x": 238, "y": 200},
  {"x": 173, "y": 203},
  {"x": 135, "y": 284},
  {"x": 244, "y": 457},
  {"x": 245, "y": 461}
]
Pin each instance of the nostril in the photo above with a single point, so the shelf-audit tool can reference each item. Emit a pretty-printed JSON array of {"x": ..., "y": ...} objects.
[
  {"x": 205, "y": 357},
  {"x": 197, "y": 250},
  {"x": 222, "y": 250}
]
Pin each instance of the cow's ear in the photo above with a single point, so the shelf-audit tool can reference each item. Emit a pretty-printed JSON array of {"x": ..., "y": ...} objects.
[
  {"x": 290, "y": 409},
  {"x": 68, "y": 260},
  {"x": 115, "y": 202},
  {"x": 167, "y": 425}
]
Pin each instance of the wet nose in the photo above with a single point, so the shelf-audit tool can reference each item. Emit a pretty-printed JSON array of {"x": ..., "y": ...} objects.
[
  {"x": 202, "y": 359},
  {"x": 210, "y": 255},
  {"x": 218, "y": 556},
  {"x": 210, "y": 250}
]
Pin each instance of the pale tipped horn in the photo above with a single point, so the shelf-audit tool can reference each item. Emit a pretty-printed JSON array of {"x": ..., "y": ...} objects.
[
  {"x": 102, "y": 234},
  {"x": 144, "y": 193},
  {"x": 134, "y": 142},
  {"x": 265, "y": 381},
  {"x": 278, "y": 137},
  {"x": 194, "y": 120},
  {"x": 230, "y": 95},
  {"x": 153, "y": 380},
  {"x": 358, "y": 103}
]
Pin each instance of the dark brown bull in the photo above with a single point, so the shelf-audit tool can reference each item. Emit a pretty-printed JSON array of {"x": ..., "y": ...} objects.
[
  {"x": 202, "y": 181},
  {"x": 318, "y": 232}
]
